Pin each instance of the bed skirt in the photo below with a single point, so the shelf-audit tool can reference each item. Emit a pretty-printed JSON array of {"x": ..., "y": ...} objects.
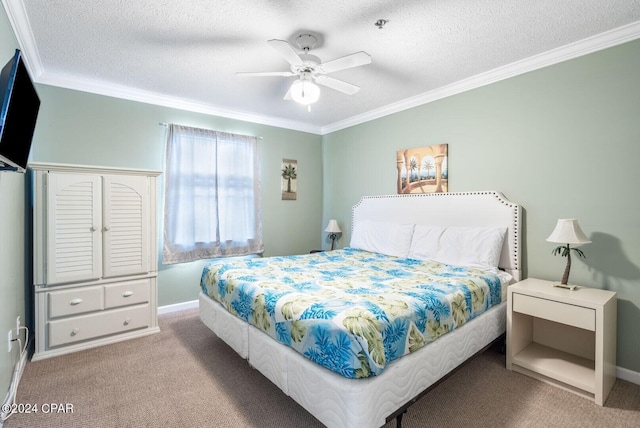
[{"x": 337, "y": 401}]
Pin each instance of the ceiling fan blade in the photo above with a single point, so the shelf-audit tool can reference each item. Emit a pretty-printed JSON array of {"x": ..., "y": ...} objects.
[
  {"x": 265, "y": 73},
  {"x": 354, "y": 60},
  {"x": 338, "y": 85},
  {"x": 286, "y": 51}
]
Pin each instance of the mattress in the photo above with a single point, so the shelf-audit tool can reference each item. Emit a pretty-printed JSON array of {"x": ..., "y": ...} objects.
[{"x": 352, "y": 311}]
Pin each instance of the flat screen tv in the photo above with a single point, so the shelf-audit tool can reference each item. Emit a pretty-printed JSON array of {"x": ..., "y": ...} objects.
[{"x": 20, "y": 105}]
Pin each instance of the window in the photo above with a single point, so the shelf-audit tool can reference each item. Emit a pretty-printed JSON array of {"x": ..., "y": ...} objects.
[{"x": 212, "y": 195}]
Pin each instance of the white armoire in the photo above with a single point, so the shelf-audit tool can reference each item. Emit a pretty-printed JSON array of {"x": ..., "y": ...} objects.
[{"x": 94, "y": 256}]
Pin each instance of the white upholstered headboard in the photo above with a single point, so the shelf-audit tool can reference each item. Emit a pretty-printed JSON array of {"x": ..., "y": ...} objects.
[{"x": 472, "y": 209}]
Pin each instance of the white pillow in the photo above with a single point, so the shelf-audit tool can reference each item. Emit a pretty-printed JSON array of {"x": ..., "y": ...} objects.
[
  {"x": 460, "y": 246},
  {"x": 472, "y": 246},
  {"x": 392, "y": 239},
  {"x": 425, "y": 242}
]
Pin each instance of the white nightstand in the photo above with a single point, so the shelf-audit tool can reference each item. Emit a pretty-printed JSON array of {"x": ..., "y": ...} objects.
[{"x": 562, "y": 337}]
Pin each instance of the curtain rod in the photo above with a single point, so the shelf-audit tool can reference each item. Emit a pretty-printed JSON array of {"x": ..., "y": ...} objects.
[{"x": 166, "y": 124}]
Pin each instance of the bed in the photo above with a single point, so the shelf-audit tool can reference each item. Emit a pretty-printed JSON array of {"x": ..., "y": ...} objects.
[{"x": 376, "y": 379}]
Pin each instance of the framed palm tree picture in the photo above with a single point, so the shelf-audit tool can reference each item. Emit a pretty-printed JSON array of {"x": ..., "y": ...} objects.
[
  {"x": 289, "y": 179},
  {"x": 423, "y": 169}
]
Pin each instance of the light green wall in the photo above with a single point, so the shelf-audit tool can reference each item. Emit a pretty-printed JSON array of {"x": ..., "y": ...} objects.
[
  {"x": 80, "y": 128},
  {"x": 12, "y": 267},
  {"x": 12, "y": 240},
  {"x": 563, "y": 141}
]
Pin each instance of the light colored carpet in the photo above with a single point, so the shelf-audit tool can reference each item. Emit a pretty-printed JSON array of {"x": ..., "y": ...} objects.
[{"x": 185, "y": 376}]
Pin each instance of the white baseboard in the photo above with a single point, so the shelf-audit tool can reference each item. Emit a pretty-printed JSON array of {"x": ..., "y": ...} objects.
[
  {"x": 628, "y": 375},
  {"x": 622, "y": 373},
  {"x": 193, "y": 304}
]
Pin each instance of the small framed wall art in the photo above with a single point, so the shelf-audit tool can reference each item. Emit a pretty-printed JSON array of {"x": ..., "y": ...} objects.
[
  {"x": 423, "y": 169},
  {"x": 289, "y": 174}
]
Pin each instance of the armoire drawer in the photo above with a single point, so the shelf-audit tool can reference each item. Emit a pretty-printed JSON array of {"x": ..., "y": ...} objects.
[
  {"x": 127, "y": 293},
  {"x": 74, "y": 301},
  {"x": 84, "y": 327}
]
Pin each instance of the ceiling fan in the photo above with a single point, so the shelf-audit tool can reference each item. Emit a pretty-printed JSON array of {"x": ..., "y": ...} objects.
[{"x": 310, "y": 70}]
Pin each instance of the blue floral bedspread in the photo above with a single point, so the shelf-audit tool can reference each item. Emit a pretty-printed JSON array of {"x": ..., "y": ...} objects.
[{"x": 350, "y": 310}]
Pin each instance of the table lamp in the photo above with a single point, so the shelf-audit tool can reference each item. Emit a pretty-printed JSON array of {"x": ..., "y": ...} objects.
[
  {"x": 567, "y": 232},
  {"x": 333, "y": 230}
]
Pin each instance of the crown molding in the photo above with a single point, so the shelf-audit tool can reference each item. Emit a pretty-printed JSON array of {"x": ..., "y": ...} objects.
[
  {"x": 17, "y": 16},
  {"x": 132, "y": 94},
  {"x": 22, "y": 29},
  {"x": 583, "y": 47},
  {"x": 24, "y": 36}
]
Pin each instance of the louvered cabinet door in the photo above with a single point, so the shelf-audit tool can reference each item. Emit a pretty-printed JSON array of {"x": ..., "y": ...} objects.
[
  {"x": 74, "y": 223},
  {"x": 126, "y": 225}
]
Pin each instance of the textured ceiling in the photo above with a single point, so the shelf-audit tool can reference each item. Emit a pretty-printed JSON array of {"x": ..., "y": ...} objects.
[{"x": 185, "y": 53}]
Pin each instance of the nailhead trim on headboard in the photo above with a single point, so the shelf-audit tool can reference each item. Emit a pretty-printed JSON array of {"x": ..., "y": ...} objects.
[{"x": 514, "y": 231}]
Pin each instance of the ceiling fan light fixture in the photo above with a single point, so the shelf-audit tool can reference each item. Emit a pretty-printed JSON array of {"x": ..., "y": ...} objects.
[{"x": 304, "y": 91}]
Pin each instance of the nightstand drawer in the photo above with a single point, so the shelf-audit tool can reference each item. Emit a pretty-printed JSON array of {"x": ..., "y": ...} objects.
[{"x": 576, "y": 316}]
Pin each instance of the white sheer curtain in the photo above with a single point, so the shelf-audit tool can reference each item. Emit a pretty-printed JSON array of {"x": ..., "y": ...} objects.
[{"x": 212, "y": 195}]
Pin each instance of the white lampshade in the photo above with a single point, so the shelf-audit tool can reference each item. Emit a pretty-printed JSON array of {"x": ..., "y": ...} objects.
[
  {"x": 304, "y": 91},
  {"x": 333, "y": 227},
  {"x": 568, "y": 231}
]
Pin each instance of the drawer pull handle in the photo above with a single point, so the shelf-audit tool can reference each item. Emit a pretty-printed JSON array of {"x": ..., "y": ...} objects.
[
  {"x": 75, "y": 302},
  {"x": 127, "y": 321},
  {"x": 107, "y": 228},
  {"x": 127, "y": 294},
  {"x": 74, "y": 331},
  {"x": 93, "y": 228}
]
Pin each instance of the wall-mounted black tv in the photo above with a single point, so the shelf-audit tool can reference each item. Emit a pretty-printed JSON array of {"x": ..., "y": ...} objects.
[{"x": 20, "y": 105}]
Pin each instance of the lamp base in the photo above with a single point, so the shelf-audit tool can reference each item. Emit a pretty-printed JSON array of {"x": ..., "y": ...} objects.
[
  {"x": 333, "y": 237},
  {"x": 567, "y": 286}
]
